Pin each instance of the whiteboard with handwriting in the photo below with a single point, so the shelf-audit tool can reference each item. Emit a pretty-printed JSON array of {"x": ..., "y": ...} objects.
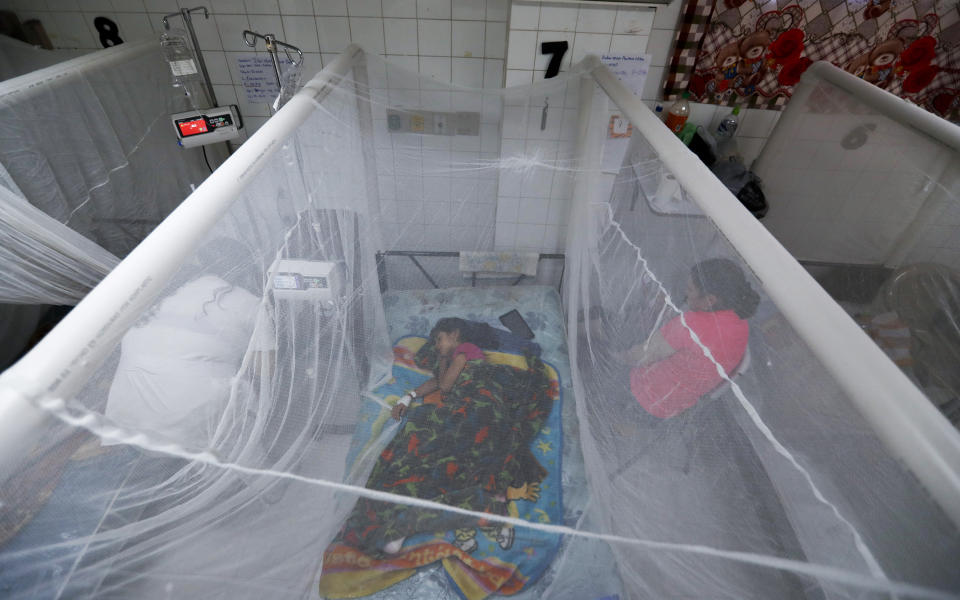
[
  {"x": 258, "y": 77},
  {"x": 631, "y": 69}
]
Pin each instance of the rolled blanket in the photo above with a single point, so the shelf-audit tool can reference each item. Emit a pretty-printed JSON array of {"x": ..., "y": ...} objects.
[{"x": 499, "y": 264}]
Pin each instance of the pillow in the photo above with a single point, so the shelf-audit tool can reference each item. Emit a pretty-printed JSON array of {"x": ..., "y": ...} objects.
[{"x": 489, "y": 338}]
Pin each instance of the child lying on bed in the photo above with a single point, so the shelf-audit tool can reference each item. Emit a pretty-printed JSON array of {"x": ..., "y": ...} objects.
[
  {"x": 454, "y": 352},
  {"x": 467, "y": 445}
]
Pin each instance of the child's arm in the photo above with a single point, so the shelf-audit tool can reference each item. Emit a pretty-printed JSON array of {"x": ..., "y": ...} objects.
[
  {"x": 400, "y": 408},
  {"x": 449, "y": 377},
  {"x": 446, "y": 382},
  {"x": 655, "y": 350}
]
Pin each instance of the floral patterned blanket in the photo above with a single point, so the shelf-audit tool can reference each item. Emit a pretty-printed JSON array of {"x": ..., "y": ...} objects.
[
  {"x": 498, "y": 430},
  {"x": 752, "y": 52}
]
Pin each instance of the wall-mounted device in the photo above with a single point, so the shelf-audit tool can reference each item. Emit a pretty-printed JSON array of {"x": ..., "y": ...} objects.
[
  {"x": 207, "y": 125},
  {"x": 314, "y": 280},
  {"x": 430, "y": 122}
]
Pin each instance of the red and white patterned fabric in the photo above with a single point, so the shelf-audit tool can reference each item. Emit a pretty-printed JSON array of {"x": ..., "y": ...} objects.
[{"x": 751, "y": 53}]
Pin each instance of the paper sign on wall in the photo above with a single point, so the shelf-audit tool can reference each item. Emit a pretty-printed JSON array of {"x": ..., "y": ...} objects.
[
  {"x": 630, "y": 69},
  {"x": 619, "y": 127},
  {"x": 258, "y": 77}
]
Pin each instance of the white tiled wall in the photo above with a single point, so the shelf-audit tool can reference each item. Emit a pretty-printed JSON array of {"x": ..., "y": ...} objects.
[
  {"x": 532, "y": 210},
  {"x": 534, "y": 189},
  {"x": 755, "y": 126},
  {"x": 435, "y": 181},
  {"x": 588, "y": 28},
  {"x": 464, "y": 41},
  {"x": 459, "y": 40},
  {"x": 597, "y": 29}
]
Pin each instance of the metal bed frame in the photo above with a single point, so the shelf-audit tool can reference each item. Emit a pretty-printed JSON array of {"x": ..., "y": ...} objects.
[{"x": 413, "y": 254}]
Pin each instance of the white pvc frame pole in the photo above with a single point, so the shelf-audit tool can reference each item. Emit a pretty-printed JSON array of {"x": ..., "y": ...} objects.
[
  {"x": 365, "y": 114},
  {"x": 36, "y": 81},
  {"x": 907, "y": 422},
  {"x": 584, "y": 182},
  {"x": 364, "y": 103},
  {"x": 60, "y": 365}
]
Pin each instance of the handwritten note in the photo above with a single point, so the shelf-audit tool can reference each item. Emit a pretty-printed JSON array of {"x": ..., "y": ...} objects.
[
  {"x": 631, "y": 69},
  {"x": 258, "y": 77}
]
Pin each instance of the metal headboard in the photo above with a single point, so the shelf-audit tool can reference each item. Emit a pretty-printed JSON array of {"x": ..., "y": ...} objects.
[{"x": 413, "y": 254}]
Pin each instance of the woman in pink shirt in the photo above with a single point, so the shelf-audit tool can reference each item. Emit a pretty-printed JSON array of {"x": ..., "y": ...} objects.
[{"x": 671, "y": 371}]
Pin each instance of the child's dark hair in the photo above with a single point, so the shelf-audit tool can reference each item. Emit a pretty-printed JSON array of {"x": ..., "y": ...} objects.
[
  {"x": 480, "y": 334},
  {"x": 723, "y": 279}
]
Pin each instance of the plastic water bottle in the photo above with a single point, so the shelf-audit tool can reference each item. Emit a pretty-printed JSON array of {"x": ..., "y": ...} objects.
[
  {"x": 728, "y": 125},
  {"x": 678, "y": 114}
]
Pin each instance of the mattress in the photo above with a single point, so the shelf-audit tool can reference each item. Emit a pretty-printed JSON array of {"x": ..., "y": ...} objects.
[{"x": 586, "y": 565}]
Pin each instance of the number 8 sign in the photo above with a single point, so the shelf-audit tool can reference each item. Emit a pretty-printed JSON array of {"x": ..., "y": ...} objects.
[{"x": 108, "y": 30}]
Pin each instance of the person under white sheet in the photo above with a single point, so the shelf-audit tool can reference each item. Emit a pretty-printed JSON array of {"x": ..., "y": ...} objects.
[{"x": 177, "y": 366}]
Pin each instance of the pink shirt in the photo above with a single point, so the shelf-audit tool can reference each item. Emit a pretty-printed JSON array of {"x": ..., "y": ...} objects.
[
  {"x": 674, "y": 384},
  {"x": 471, "y": 351}
]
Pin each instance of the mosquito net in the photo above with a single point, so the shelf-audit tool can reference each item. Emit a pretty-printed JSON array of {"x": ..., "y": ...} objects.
[
  {"x": 88, "y": 142},
  {"x": 18, "y": 58},
  {"x": 871, "y": 204},
  {"x": 88, "y": 167},
  {"x": 355, "y": 364},
  {"x": 45, "y": 261}
]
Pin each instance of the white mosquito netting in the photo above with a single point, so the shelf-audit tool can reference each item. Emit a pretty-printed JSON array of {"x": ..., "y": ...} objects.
[
  {"x": 217, "y": 417},
  {"x": 18, "y": 58},
  {"x": 865, "y": 191},
  {"x": 89, "y": 165},
  {"x": 89, "y": 143}
]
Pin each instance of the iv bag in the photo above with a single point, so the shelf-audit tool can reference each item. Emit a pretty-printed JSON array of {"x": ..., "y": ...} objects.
[
  {"x": 184, "y": 71},
  {"x": 177, "y": 53}
]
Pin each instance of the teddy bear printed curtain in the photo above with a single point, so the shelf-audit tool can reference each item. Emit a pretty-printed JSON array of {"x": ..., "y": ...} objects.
[{"x": 752, "y": 53}]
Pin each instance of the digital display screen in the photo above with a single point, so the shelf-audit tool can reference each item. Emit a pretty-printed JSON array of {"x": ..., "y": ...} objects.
[
  {"x": 286, "y": 281},
  {"x": 203, "y": 124},
  {"x": 194, "y": 127}
]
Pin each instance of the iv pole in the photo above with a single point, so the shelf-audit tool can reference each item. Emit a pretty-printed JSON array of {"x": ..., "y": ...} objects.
[
  {"x": 188, "y": 21},
  {"x": 250, "y": 39}
]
